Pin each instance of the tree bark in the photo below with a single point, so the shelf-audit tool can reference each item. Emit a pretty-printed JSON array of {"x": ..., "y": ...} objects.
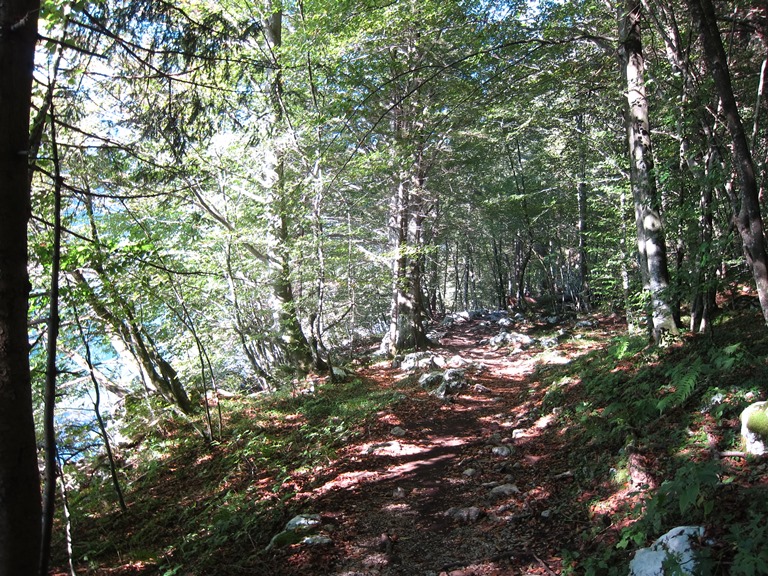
[
  {"x": 290, "y": 337},
  {"x": 67, "y": 517},
  {"x": 703, "y": 302},
  {"x": 20, "y": 507},
  {"x": 584, "y": 299},
  {"x": 408, "y": 204},
  {"x": 500, "y": 280},
  {"x": 51, "y": 371},
  {"x": 691, "y": 159},
  {"x": 652, "y": 250},
  {"x": 525, "y": 258},
  {"x": 748, "y": 219},
  {"x": 407, "y": 307}
]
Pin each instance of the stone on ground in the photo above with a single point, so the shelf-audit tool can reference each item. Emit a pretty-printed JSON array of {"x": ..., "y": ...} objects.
[
  {"x": 754, "y": 428},
  {"x": 673, "y": 553}
]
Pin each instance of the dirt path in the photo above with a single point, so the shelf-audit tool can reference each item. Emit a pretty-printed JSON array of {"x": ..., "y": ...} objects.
[{"x": 474, "y": 485}]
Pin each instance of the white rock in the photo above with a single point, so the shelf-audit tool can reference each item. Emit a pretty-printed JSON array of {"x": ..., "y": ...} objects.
[
  {"x": 303, "y": 522},
  {"x": 317, "y": 540},
  {"x": 453, "y": 381},
  {"x": 430, "y": 379},
  {"x": 674, "y": 546},
  {"x": 454, "y": 376},
  {"x": 549, "y": 342},
  {"x": 754, "y": 428},
  {"x": 416, "y": 360},
  {"x": 466, "y": 515}
]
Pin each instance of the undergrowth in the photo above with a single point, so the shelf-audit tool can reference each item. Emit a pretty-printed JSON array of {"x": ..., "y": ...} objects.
[
  {"x": 678, "y": 407},
  {"x": 193, "y": 502},
  {"x": 214, "y": 505}
]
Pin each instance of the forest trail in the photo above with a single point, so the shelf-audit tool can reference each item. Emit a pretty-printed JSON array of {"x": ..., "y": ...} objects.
[{"x": 475, "y": 484}]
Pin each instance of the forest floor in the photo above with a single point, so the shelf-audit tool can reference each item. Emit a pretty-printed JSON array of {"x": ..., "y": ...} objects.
[
  {"x": 422, "y": 502},
  {"x": 508, "y": 476}
]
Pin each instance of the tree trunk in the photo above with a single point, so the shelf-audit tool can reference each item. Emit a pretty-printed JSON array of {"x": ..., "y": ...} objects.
[
  {"x": 749, "y": 221},
  {"x": 703, "y": 301},
  {"x": 456, "y": 277},
  {"x": 500, "y": 274},
  {"x": 409, "y": 199},
  {"x": 629, "y": 309},
  {"x": 690, "y": 159},
  {"x": 156, "y": 370},
  {"x": 584, "y": 300},
  {"x": 434, "y": 296},
  {"x": 20, "y": 507},
  {"x": 67, "y": 518},
  {"x": 290, "y": 337},
  {"x": 97, "y": 410},
  {"x": 407, "y": 309},
  {"x": 467, "y": 279},
  {"x": 707, "y": 258},
  {"x": 652, "y": 251},
  {"x": 524, "y": 257},
  {"x": 51, "y": 371}
]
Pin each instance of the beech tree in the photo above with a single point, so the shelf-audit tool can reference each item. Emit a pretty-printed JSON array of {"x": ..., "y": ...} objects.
[
  {"x": 20, "y": 507},
  {"x": 748, "y": 218},
  {"x": 278, "y": 205},
  {"x": 651, "y": 242}
]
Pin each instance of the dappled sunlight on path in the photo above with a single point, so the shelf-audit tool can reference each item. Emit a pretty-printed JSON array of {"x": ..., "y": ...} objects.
[
  {"x": 412, "y": 461},
  {"x": 470, "y": 484}
]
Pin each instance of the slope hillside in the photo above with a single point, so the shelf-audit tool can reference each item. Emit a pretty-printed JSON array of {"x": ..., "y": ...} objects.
[{"x": 554, "y": 446}]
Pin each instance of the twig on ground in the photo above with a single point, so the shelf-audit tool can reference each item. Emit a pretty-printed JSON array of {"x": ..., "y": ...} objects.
[
  {"x": 733, "y": 454},
  {"x": 543, "y": 564}
]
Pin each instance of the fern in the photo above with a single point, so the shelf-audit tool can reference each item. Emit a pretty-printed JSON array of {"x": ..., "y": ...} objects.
[
  {"x": 682, "y": 382},
  {"x": 750, "y": 539},
  {"x": 728, "y": 357}
]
